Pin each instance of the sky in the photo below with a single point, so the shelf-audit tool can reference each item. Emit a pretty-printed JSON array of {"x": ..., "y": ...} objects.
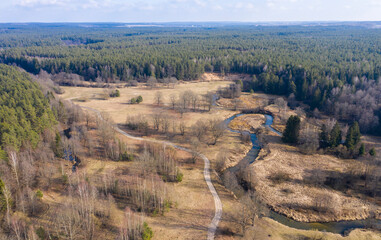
[{"x": 188, "y": 10}]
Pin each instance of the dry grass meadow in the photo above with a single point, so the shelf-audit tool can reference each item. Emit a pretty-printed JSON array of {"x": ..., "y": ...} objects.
[{"x": 194, "y": 207}]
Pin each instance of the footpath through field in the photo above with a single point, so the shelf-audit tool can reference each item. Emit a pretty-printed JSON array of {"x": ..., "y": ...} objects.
[{"x": 217, "y": 201}]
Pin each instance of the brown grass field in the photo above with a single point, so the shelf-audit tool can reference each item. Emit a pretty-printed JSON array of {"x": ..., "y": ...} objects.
[{"x": 194, "y": 206}]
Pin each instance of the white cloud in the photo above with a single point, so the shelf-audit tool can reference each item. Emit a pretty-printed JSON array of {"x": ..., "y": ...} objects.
[
  {"x": 71, "y": 4},
  {"x": 281, "y": 3},
  {"x": 33, "y": 3}
]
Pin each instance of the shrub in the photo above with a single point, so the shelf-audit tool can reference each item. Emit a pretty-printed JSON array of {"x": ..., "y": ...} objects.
[
  {"x": 372, "y": 152},
  {"x": 115, "y": 93},
  {"x": 39, "y": 194},
  {"x": 126, "y": 157},
  {"x": 41, "y": 233},
  {"x": 147, "y": 232},
  {"x": 136, "y": 100},
  {"x": 280, "y": 177},
  {"x": 179, "y": 177},
  {"x": 65, "y": 179},
  {"x": 167, "y": 205}
]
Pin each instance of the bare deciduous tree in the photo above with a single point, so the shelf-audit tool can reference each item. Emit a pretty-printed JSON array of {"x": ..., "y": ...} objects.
[
  {"x": 236, "y": 103},
  {"x": 209, "y": 100},
  {"x": 221, "y": 159},
  {"x": 158, "y": 98},
  {"x": 194, "y": 101},
  {"x": 18, "y": 227},
  {"x": 165, "y": 123},
  {"x": 8, "y": 201},
  {"x": 252, "y": 207},
  {"x": 68, "y": 221},
  {"x": 217, "y": 129},
  {"x": 182, "y": 128},
  {"x": 13, "y": 160},
  {"x": 281, "y": 104},
  {"x": 173, "y": 100},
  {"x": 132, "y": 226},
  {"x": 156, "y": 120},
  {"x": 200, "y": 129}
]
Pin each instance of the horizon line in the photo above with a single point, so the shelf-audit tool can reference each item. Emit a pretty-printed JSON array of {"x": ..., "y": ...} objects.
[{"x": 166, "y": 22}]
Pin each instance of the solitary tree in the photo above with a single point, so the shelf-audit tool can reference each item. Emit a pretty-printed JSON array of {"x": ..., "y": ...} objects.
[
  {"x": 372, "y": 152},
  {"x": 362, "y": 150},
  {"x": 291, "y": 133},
  {"x": 159, "y": 98}
]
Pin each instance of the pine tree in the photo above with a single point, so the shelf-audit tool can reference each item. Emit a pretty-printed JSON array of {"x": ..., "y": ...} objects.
[
  {"x": 335, "y": 136},
  {"x": 372, "y": 152},
  {"x": 324, "y": 137},
  {"x": 353, "y": 136},
  {"x": 3, "y": 154},
  {"x": 292, "y": 87},
  {"x": 291, "y": 133},
  {"x": 362, "y": 150},
  {"x": 57, "y": 149}
]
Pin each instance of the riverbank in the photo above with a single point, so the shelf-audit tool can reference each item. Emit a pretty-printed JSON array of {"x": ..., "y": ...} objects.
[
  {"x": 247, "y": 122},
  {"x": 293, "y": 184}
]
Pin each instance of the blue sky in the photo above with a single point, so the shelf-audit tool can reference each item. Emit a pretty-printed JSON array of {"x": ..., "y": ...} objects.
[{"x": 188, "y": 10}]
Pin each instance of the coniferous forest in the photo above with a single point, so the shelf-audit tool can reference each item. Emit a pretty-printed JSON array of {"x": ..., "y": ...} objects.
[
  {"x": 24, "y": 111},
  {"x": 333, "y": 68}
]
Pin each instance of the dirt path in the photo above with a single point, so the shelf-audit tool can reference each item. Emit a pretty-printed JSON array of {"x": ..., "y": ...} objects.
[{"x": 217, "y": 201}]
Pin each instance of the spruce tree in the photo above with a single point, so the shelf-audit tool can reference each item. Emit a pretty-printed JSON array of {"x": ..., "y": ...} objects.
[
  {"x": 353, "y": 136},
  {"x": 58, "y": 150},
  {"x": 291, "y": 133},
  {"x": 335, "y": 136},
  {"x": 324, "y": 137},
  {"x": 362, "y": 150}
]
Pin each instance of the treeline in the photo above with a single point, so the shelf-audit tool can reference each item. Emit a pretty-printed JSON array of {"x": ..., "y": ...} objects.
[
  {"x": 332, "y": 54},
  {"x": 344, "y": 142}
]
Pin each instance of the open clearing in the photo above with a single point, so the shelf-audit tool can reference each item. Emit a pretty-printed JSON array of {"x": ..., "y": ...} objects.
[{"x": 194, "y": 208}]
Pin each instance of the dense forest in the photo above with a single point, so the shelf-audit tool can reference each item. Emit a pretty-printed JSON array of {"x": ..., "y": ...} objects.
[
  {"x": 24, "y": 111},
  {"x": 331, "y": 68}
]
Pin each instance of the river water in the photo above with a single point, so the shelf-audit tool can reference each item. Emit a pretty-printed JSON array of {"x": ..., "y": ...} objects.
[{"x": 340, "y": 227}]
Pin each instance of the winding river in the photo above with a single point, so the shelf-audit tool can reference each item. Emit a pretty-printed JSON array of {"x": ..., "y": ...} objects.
[{"x": 340, "y": 227}]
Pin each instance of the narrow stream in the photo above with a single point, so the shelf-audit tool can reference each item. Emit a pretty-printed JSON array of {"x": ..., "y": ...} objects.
[{"x": 340, "y": 227}]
